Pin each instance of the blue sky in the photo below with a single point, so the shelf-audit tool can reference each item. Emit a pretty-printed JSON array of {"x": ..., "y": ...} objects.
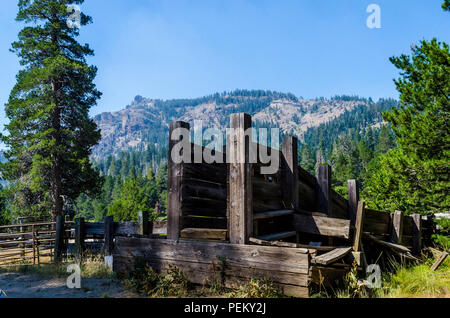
[{"x": 190, "y": 48}]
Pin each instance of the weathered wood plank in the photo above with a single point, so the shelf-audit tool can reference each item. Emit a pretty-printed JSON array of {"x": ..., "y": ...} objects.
[
  {"x": 205, "y": 222},
  {"x": 79, "y": 238},
  {"x": 332, "y": 256},
  {"x": 397, "y": 247},
  {"x": 417, "y": 234},
  {"x": 439, "y": 261},
  {"x": 324, "y": 200},
  {"x": 203, "y": 189},
  {"x": 213, "y": 173},
  {"x": 322, "y": 225},
  {"x": 143, "y": 223},
  {"x": 277, "y": 236},
  {"x": 307, "y": 178},
  {"x": 266, "y": 204},
  {"x": 257, "y": 241},
  {"x": 240, "y": 179},
  {"x": 272, "y": 214},
  {"x": 353, "y": 198},
  {"x": 261, "y": 257},
  {"x": 201, "y": 233},
  {"x": 289, "y": 172},
  {"x": 397, "y": 227},
  {"x": 175, "y": 174},
  {"x": 359, "y": 225},
  {"x": 203, "y": 206},
  {"x": 125, "y": 228},
  {"x": 109, "y": 235}
]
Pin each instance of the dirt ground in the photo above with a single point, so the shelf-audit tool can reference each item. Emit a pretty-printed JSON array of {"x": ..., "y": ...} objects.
[{"x": 18, "y": 285}]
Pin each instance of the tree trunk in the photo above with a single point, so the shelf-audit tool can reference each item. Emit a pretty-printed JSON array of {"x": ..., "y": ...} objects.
[{"x": 56, "y": 169}]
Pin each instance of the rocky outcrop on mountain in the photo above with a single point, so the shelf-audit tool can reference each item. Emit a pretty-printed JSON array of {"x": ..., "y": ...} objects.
[{"x": 147, "y": 120}]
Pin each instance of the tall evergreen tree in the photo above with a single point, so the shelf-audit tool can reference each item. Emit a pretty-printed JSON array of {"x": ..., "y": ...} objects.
[
  {"x": 415, "y": 176},
  {"x": 386, "y": 141},
  {"x": 50, "y": 133}
]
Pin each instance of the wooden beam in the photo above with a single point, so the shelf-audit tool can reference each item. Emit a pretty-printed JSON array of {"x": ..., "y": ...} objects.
[
  {"x": 257, "y": 241},
  {"x": 109, "y": 235},
  {"x": 240, "y": 201},
  {"x": 272, "y": 214},
  {"x": 174, "y": 185},
  {"x": 353, "y": 198},
  {"x": 321, "y": 225},
  {"x": 359, "y": 226},
  {"x": 324, "y": 200},
  {"x": 277, "y": 236},
  {"x": 143, "y": 223},
  {"x": 209, "y": 234},
  {"x": 332, "y": 256},
  {"x": 287, "y": 268},
  {"x": 394, "y": 246},
  {"x": 289, "y": 172},
  {"x": 397, "y": 227},
  {"x": 79, "y": 238},
  {"x": 439, "y": 261},
  {"x": 416, "y": 233}
]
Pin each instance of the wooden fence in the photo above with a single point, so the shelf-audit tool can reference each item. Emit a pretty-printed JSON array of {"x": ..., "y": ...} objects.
[
  {"x": 25, "y": 242},
  {"x": 47, "y": 242},
  {"x": 233, "y": 220}
]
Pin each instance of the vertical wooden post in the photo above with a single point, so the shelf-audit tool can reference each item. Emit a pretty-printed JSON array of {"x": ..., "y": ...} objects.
[
  {"x": 22, "y": 238},
  {"x": 359, "y": 226},
  {"x": 109, "y": 235},
  {"x": 79, "y": 238},
  {"x": 289, "y": 166},
  {"x": 174, "y": 213},
  {"x": 240, "y": 201},
  {"x": 397, "y": 227},
  {"x": 33, "y": 245},
  {"x": 36, "y": 238},
  {"x": 143, "y": 224},
  {"x": 416, "y": 233},
  {"x": 324, "y": 199},
  {"x": 59, "y": 238},
  {"x": 353, "y": 198}
]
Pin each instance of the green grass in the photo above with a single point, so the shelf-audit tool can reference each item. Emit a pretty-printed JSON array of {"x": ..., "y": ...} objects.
[
  {"x": 405, "y": 281},
  {"x": 417, "y": 281}
]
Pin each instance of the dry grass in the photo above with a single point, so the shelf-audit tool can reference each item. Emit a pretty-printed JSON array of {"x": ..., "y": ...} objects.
[{"x": 91, "y": 267}]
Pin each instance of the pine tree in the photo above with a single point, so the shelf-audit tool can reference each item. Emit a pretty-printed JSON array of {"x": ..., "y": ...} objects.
[
  {"x": 386, "y": 140},
  {"x": 50, "y": 133},
  {"x": 415, "y": 176}
]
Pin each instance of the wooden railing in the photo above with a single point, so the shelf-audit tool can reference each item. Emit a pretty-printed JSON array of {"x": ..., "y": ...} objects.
[
  {"x": 27, "y": 242},
  {"x": 236, "y": 202}
]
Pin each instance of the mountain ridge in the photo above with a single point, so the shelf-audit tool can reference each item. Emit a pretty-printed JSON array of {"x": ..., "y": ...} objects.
[{"x": 147, "y": 120}]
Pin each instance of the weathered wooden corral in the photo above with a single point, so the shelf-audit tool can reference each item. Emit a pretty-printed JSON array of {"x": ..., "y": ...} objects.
[{"x": 229, "y": 221}]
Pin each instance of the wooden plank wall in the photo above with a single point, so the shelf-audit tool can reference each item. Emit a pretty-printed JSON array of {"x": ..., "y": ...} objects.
[
  {"x": 204, "y": 194},
  {"x": 230, "y": 264},
  {"x": 197, "y": 195}
]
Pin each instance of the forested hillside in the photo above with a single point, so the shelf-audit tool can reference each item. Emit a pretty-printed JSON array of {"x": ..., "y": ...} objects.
[{"x": 136, "y": 179}]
